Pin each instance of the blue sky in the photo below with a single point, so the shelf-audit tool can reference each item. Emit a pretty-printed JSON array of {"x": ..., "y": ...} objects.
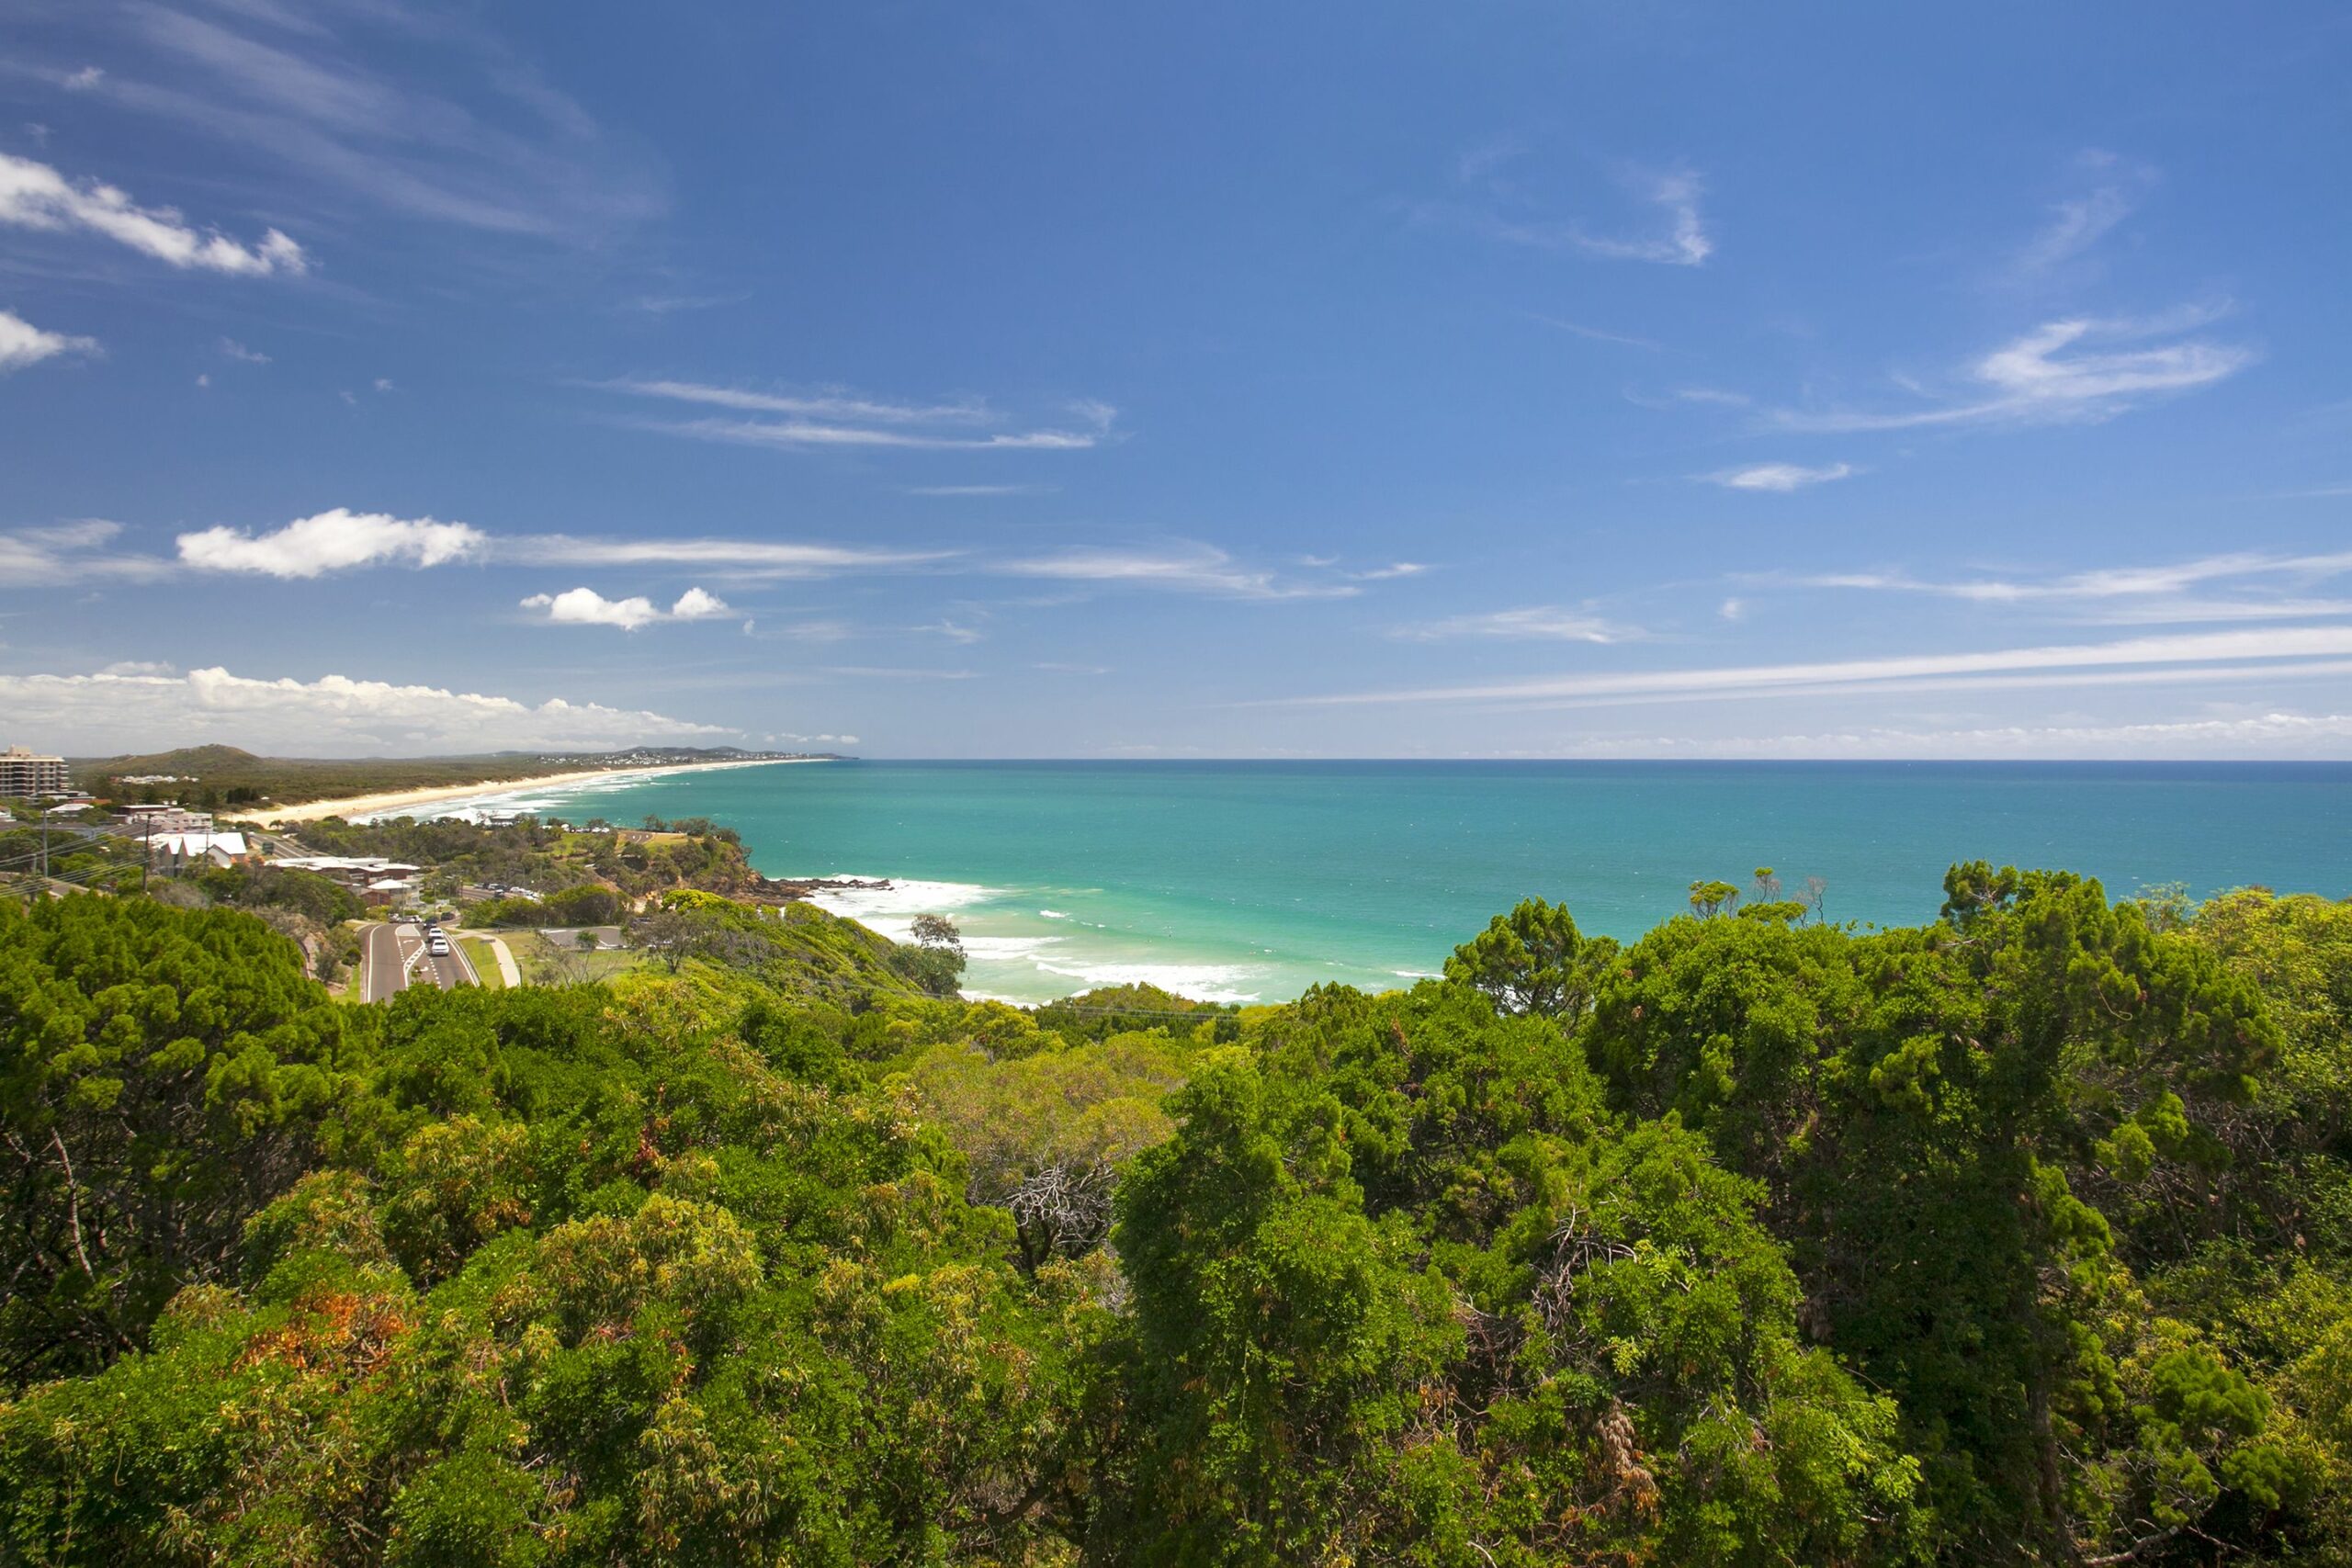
[{"x": 1047, "y": 380}]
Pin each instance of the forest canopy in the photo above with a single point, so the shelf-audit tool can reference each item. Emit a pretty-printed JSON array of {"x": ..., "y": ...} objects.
[{"x": 2024, "y": 1236}]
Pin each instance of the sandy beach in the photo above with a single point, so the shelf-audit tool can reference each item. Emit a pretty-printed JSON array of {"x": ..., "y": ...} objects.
[{"x": 400, "y": 800}]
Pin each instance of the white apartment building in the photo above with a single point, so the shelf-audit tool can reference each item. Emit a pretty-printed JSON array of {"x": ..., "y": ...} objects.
[{"x": 28, "y": 773}]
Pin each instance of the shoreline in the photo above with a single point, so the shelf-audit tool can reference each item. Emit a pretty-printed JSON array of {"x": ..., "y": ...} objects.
[{"x": 394, "y": 802}]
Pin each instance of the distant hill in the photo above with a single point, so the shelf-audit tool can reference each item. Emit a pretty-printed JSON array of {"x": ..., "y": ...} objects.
[{"x": 228, "y": 777}]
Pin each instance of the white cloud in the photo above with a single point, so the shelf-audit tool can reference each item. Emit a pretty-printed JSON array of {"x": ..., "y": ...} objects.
[
  {"x": 383, "y": 383},
  {"x": 2196, "y": 653},
  {"x": 834, "y": 417},
  {"x": 1390, "y": 572},
  {"x": 2111, "y": 584},
  {"x": 1195, "y": 569},
  {"x": 22, "y": 344},
  {"x": 2055, "y": 374},
  {"x": 1688, "y": 244},
  {"x": 749, "y": 556},
  {"x": 2080, "y": 221},
  {"x": 1686, "y": 241},
  {"x": 1540, "y": 623},
  {"x": 332, "y": 541},
  {"x": 586, "y": 607},
  {"x": 2270, "y": 734},
  {"x": 332, "y": 715},
  {"x": 2249, "y": 734},
  {"x": 72, "y": 552},
  {"x": 234, "y": 350},
  {"x": 695, "y": 604},
  {"x": 34, "y": 195},
  {"x": 952, "y": 630},
  {"x": 1732, "y": 609},
  {"x": 1778, "y": 477},
  {"x": 829, "y": 404},
  {"x": 427, "y": 115},
  {"x": 811, "y": 434},
  {"x": 85, "y": 79},
  {"x": 1597, "y": 335}
]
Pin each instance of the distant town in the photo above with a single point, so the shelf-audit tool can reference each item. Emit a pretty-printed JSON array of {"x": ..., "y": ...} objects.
[{"x": 417, "y": 898}]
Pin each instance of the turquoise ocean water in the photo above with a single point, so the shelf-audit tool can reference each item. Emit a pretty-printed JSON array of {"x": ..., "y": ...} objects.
[{"x": 1251, "y": 881}]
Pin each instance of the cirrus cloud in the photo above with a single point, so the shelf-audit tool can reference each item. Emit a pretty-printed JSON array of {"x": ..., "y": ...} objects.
[
  {"x": 331, "y": 716},
  {"x": 1779, "y": 478}
]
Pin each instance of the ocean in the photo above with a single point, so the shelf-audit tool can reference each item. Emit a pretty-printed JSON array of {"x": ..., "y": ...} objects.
[{"x": 1251, "y": 881}]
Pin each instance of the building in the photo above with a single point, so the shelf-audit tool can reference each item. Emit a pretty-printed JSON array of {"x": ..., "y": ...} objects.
[
  {"x": 184, "y": 852},
  {"x": 361, "y": 873},
  {"x": 24, "y": 773},
  {"x": 138, "y": 821}
]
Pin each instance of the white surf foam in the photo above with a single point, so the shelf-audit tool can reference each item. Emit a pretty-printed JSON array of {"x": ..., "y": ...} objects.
[
  {"x": 892, "y": 910},
  {"x": 1200, "y": 982}
]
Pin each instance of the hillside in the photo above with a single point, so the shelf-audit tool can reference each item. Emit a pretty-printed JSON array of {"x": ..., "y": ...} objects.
[{"x": 2020, "y": 1238}]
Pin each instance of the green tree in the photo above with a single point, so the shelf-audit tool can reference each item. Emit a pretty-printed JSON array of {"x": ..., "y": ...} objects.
[
  {"x": 162, "y": 1074},
  {"x": 1533, "y": 960}
]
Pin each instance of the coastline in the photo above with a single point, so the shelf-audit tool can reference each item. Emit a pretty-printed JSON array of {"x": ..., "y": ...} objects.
[{"x": 397, "y": 800}]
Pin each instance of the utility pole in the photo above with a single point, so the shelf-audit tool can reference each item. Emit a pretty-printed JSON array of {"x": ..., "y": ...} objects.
[{"x": 147, "y": 845}]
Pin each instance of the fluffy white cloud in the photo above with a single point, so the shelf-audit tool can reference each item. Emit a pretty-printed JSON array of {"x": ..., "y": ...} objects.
[
  {"x": 332, "y": 715},
  {"x": 34, "y": 195},
  {"x": 695, "y": 604},
  {"x": 22, "y": 344},
  {"x": 586, "y": 607},
  {"x": 1780, "y": 478},
  {"x": 331, "y": 541}
]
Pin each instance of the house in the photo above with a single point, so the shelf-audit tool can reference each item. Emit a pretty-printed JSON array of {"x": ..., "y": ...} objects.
[
  {"x": 138, "y": 821},
  {"x": 358, "y": 873},
  {"x": 190, "y": 851}
]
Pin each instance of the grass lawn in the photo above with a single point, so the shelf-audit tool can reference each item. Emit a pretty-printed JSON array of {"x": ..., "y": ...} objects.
[
  {"x": 545, "y": 962},
  {"x": 485, "y": 962}
]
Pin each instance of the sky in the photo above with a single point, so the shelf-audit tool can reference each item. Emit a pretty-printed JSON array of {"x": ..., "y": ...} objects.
[{"x": 1497, "y": 380}]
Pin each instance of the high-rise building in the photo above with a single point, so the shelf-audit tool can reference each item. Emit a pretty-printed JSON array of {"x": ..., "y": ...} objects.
[{"x": 23, "y": 773}]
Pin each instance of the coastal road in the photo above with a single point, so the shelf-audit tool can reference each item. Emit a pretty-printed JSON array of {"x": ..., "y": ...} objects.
[
  {"x": 447, "y": 971},
  {"x": 383, "y": 962},
  {"x": 387, "y": 950}
]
